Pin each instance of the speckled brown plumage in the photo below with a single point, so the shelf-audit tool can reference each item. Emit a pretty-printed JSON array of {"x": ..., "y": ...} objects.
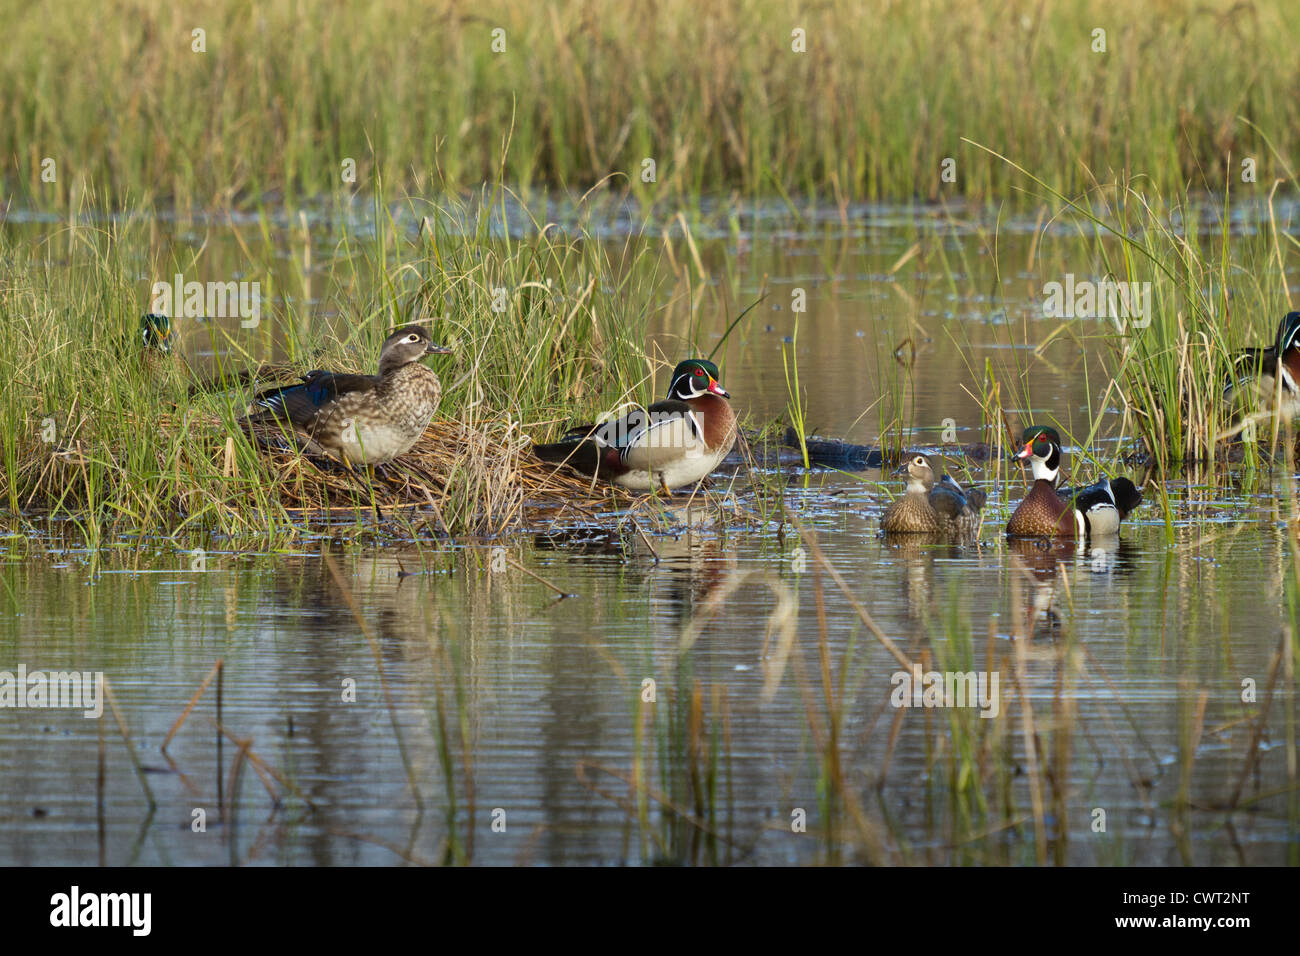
[
  {"x": 930, "y": 506},
  {"x": 1043, "y": 513},
  {"x": 362, "y": 419},
  {"x": 911, "y": 514}
]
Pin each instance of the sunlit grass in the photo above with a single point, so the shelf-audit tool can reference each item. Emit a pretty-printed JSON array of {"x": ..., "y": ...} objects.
[
  {"x": 546, "y": 329},
  {"x": 1214, "y": 281},
  {"x": 285, "y": 94}
]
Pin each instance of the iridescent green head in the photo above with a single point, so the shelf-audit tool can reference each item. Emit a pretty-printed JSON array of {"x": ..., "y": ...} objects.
[
  {"x": 1039, "y": 440},
  {"x": 156, "y": 332},
  {"x": 695, "y": 378},
  {"x": 1042, "y": 449},
  {"x": 1288, "y": 333}
]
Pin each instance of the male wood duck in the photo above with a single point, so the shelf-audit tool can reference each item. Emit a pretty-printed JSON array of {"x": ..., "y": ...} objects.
[
  {"x": 157, "y": 354},
  {"x": 1261, "y": 368},
  {"x": 1047, "y": 512},
  {"x": 155, "y": 345},
  {"x": 361, "y": 419},
  {"x": 936, "y": 506},
  {"x": 669, "y": 445}
]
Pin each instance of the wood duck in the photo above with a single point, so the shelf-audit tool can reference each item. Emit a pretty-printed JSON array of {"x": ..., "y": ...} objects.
[
  {"x": 157, "y": 354},
  {"x": 671, "y": 444},
  {"x": 1047, "y": 511},
  {"x": 937, "y": 506},
  {"x": 155, "y": 345},
  {"x": 1261, "y": 367},
  {"x": 361, "y": 419}
]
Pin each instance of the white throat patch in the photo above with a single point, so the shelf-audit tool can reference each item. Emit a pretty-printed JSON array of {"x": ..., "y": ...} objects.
[{"x": 1042, "y": 471}]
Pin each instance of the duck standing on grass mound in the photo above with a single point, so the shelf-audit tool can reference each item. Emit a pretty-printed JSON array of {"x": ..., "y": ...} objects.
[
  {"x": 671, "y": 444},
  {"x": 1046, "y": 513},
  {"x": 361, "y": 419},
  {"x": 1262, "y": 368},
  {"x": 930, "y": 506}
]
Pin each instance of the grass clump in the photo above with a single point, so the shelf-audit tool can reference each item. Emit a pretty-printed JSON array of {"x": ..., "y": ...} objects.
[
  {"x": 546, "y": 328},
  {"x": 1179, "y": 287}
]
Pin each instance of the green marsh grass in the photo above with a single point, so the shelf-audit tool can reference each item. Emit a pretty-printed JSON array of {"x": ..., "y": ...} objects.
[
  {"x": 1216, "y": 274},
  {"x": 547, "y": 329},
  {"x": 415, "y": 94},
  {"x": 795, "y": 407}
]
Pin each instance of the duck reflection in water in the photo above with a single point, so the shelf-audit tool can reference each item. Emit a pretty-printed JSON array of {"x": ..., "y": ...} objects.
[
  {"x": 680, "y": 571},
  {"x": 1042, "y": 558},
  {"x": 918, "y": 553}
]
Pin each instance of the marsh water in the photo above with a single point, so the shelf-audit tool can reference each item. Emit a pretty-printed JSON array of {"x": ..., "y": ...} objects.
[{"x": 708, "y": 692}]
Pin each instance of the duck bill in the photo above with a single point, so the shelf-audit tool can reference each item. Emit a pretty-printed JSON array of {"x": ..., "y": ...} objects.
[
  {"x": 1025, "y": 453},
  {"x": 432, "y": 349},
  {"x": 716, "y": 388}
]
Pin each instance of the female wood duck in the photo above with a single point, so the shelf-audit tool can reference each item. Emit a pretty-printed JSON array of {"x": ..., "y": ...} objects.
[
  {"x": 671, "y": 444},
  {"x": 1047, "y": 512},
  {"x": 1262, "y": 367},
  {"x": 941, "y": 506},
  {"x": 362, "y": 419}
]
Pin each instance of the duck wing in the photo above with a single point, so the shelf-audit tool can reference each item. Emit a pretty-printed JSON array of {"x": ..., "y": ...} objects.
[
  {"x": 945, "y": 501},
  {"x": 640, "y": 439},
  {"x": 665, "y": 431},
  {"x": 976, "y": 497},
  {"x": 949, "y": 488},
  {"x": 302, "y": 403},
  {"x": 1251, "y": 363},
  {"x": 1106, "y": 503}
]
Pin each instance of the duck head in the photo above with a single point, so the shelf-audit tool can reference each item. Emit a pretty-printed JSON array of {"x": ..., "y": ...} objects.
[
  {"x": 696, "y": 378},
  {"x": 1042, "y": 449},
  {"x": 408, "y": 344},
  {"x": 156, "y": 332},
  {"x": 1126, "y": 495},
  {"x": 920, "y": 476},
  {"x": 1288, "y": 334}
]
